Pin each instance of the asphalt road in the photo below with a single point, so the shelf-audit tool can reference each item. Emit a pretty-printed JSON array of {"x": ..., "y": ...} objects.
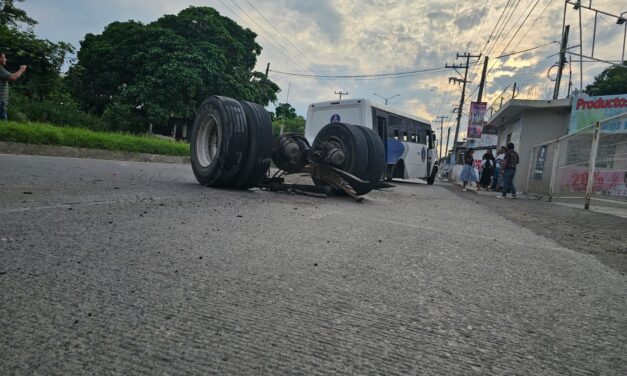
[{"x": 129, "y": 268}]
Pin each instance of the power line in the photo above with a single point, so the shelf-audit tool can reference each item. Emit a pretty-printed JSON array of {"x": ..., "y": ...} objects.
[
  {"x": 534, "y": 23},
  {"x": 271, "y": 41},
  {"x": 597, "y": 60},
  {"x": 287, "y": 39},
  {"x": 502, "y": 28},
  {"x": 516, "y": 33},
  {"x": 489, "y": 39},
  {"x": 494, "y": 28},
  {"x": 521, "y": 25},
  {"x": 514, "y": 37},
  {"x": 479, "y": 29},
  {"x": 515, "y": 53},
  {"x": 526, "y": 50},
  {"x": 388, "y": 75}
]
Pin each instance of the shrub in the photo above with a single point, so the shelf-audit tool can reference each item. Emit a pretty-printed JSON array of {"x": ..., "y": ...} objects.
[{"x": 59, "y": 109}]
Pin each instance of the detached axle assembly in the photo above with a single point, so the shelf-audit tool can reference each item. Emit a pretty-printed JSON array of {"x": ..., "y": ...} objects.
[{"x": 232, "y": 147}]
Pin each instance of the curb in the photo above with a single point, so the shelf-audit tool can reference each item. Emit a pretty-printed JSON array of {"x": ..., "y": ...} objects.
[{"x": 73, "y": 152}]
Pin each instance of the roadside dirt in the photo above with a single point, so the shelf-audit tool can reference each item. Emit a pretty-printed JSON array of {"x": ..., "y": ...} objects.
[{"x": 601, "y": 235}]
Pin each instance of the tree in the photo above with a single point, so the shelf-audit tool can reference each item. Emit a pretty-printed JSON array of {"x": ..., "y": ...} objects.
[
  {"x": 612, "y": 80},
  {"x": 166, "y": 68},
  {"x": 10, "y": 15},
  {"x": 43, "y": 58},
  {"x": 285, "y": 110},
  {"x": 293, "y": 125}
]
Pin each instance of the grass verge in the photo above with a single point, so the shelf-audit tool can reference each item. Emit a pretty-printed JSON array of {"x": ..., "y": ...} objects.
[{"x": 45, "y": 134}]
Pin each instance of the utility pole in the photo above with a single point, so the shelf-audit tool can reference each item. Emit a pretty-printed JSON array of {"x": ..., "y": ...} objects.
[
  {"x": 441, "y": 120},
  {"x": 561, "y": 63},
  {"x": 287, "y": 101},
  {"x": 482, "y": 84},
  {"x": 267, "y": 70},
  {"x": 448, "y": 135},
  {"x": 340, "y": 93},
  {"x": 467, "y": 56}
]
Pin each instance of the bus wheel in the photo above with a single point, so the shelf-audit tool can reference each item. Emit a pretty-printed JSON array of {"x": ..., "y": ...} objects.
[
  {"x": 376, "y": 162},
  {"x": 434, "y": 173},
  {"x": 219, "y": 140},
  {"x": 389, "y": 172},
  {"x": 395, "y": 171},
  {"x": 257, "y": 159}
]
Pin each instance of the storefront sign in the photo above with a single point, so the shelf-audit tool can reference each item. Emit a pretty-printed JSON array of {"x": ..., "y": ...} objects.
[
  {"x": 587, "y": 110},
  {"x": 610, "y": 182}
]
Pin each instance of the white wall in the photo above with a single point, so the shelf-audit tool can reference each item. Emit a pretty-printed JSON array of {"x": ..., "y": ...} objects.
[{"x": 531, "y": 128}]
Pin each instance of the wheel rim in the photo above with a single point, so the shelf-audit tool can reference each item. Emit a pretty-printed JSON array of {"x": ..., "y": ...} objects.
[{"x": 207, "y": 141}]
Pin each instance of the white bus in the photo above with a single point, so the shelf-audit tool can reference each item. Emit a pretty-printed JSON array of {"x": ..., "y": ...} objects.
[{"x": 409, "y": 141}]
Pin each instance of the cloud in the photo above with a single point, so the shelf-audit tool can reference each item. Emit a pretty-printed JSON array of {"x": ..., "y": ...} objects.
[
  {"x": 371, "y": 36},
  {"x": 323, "y": 14}
]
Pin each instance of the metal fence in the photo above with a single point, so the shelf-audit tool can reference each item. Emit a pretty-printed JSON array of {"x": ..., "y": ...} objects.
[{"x": 590, "y": 164}]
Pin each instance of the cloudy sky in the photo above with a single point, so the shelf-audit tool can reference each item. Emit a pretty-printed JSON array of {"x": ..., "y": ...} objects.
[{"x": 371, "y": 37}]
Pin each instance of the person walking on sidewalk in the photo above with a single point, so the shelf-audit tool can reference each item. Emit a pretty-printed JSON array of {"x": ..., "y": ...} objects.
[
  {"x": 508, "y": 170},
  {"x": 5, "y": 77},
  {"x": 468, "y": 174},
  {"x": 497, "y": 180},
  {"x": 487, "y": 170}
]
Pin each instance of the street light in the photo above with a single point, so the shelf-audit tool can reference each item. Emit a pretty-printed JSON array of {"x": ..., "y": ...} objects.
[{"x": 388, "y": 98}]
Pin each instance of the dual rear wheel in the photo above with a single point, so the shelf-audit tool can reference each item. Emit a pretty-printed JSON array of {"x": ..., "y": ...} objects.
[
  {"x": 364, "y": 153},
  {"x": 231, "y": 143}
]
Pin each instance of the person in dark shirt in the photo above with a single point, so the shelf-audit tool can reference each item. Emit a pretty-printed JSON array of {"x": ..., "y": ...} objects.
[
  {"x": 487, "y": 169},
  {"x": 508, "y": 170}
]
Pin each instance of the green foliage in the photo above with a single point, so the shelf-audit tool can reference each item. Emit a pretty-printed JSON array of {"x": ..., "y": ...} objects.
[
  {"x": 285, "y": 110},
  {"x": 612, "y": 80},
  {"x": 10, "y": 15},
  {"x": 44, "y": 134},
  {"x": 294, "y": 125},
  {"x": 59, "y": 109},
  {"x": 43, "y": 58},
  {"x": 138, "y": 74},
  {"x": 122, "y": 118}
]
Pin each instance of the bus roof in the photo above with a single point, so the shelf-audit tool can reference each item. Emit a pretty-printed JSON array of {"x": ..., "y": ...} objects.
[{"x": 372, "y": 104}]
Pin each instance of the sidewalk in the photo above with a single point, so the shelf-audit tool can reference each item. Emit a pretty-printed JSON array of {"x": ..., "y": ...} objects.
[
  {"x": 599, "y": 231},
  {"x": 615, "y": 208}
]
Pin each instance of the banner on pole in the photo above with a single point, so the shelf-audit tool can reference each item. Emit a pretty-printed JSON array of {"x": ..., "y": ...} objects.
[{"x": 475, "y": 119}]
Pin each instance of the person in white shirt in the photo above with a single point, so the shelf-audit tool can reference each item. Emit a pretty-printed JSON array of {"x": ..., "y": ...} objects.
[{"x": 497, "y": 171}]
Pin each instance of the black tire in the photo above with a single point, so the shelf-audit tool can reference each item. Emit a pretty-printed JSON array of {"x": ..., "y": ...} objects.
[
  {"x": 219, "y": 141},
  {"x": 394, "y": 170},
  {"x": 353, "y": 143},
  {"x": 376, "y": 162},
  {"x": 434, "y": 173},
  {"x": 258, "y": 156}
]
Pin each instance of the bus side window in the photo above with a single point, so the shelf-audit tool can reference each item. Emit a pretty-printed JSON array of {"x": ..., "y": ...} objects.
[
  {"x": 413, "y": 138},
  {"x": 404, "y": 136},
  {"x": 396, "y": 134}
]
